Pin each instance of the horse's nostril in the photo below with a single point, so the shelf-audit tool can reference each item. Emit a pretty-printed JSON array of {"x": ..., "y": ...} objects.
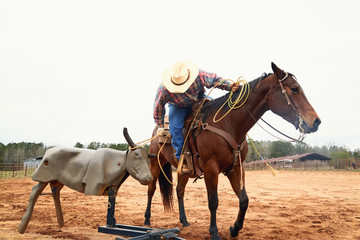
[{"x": 317, "y": 122}]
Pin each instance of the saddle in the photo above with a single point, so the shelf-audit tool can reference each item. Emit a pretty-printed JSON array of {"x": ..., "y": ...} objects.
[
  {"x": 193, "y": 126},
  {"x": 190, "y": 154}
]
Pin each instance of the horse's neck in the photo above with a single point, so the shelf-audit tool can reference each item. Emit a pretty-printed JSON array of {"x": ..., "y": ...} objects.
[{"x": 243, "y": 119}]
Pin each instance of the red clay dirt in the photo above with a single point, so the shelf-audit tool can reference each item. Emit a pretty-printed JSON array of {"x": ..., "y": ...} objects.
[{"x": 292, "y": 205}]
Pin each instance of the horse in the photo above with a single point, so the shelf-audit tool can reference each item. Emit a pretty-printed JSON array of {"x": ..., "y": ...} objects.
[{"x": 279, "y": 92}]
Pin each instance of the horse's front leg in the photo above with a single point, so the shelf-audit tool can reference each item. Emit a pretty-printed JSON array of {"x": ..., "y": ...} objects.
[
  {"x": 151, "y": 191},
  {"x": 180, "y": 191},
  {"x": 211, "y": 181},
  {"x": 155, "y": 171},
  {"x": 234, "y": 178}
]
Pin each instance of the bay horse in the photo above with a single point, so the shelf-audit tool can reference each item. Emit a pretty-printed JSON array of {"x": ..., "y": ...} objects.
[{"x": 279, "y": 92}]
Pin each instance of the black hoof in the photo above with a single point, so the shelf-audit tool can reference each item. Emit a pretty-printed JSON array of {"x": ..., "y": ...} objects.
[
  {"x": 184, "y": 223},
  {"x": 147, "y": 223},
  {"x": 233, "y": 232},
  {"x": 215, "y": 237}
]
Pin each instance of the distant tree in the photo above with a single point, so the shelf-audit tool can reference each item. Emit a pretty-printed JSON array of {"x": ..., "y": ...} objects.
[
  {"x": 301, "y": 147},
  {"x": 281, "y": 149},
  {"x": 341, "y": 155},
  {"x": 94, "y": 145},
  {"x": 17, "y": 152},
  {"x": 356, "y": 153},
  {"x": 79, "y": 145},
  {"x": 119, "y": 146},
  {"x": 2, "y": 151}
]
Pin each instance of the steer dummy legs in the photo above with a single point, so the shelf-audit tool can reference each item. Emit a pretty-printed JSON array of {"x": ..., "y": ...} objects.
[
  {"x": 55, "y": 190},
  {"x": 35, "y": 193}
]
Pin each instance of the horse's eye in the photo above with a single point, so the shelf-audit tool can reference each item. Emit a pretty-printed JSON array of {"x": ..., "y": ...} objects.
[{"x": 295, "y": 90}]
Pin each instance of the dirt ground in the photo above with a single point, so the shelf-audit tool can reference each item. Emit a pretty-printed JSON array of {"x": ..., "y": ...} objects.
[{"x": 292, "y": 205}]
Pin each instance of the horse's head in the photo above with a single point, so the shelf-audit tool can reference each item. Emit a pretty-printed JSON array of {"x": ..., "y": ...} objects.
[
  {"x": 287, "y": 99},
  {"x": 137, "y": 162}
]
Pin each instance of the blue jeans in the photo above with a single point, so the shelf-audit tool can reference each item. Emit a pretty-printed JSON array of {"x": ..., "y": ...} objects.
[{"x": 177, "y": 116}]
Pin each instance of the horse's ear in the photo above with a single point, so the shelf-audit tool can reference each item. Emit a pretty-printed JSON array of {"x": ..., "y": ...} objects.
[{"x": 277, "y": 71}]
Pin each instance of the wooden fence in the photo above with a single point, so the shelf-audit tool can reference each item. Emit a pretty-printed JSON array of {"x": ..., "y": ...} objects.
[
  {"x": 12, "y": 170},
  {"x": 338, "y": 164}
]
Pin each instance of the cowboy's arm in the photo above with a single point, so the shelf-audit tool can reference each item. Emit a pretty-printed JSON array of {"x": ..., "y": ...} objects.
[
  {"x": 159, "y": 108},
  {"x": 212, "y": 80}
]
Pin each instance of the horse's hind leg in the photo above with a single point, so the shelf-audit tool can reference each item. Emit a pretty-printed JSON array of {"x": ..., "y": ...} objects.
[
  {"x": 180, "y": 191},
  {"x": 234, "y": 178},
  {"x": 55, "y": 190},
  {"x": 35, "y": 193}
]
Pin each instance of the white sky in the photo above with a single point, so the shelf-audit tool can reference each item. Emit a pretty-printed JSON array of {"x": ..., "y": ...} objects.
[{"x": 80, "y": 71}]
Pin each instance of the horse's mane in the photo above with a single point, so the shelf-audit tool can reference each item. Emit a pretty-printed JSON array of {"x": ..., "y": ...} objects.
[{"x": 215, "y": 104}]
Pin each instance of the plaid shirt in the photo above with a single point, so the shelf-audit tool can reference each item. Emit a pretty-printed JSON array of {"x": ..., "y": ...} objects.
[{"x": 186, "y": 99}]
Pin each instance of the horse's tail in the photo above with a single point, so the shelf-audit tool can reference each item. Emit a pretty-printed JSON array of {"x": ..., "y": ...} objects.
[{"x": 166, "y": 187}]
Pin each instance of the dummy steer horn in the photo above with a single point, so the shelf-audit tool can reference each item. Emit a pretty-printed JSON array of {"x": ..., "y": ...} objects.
[
  {"x": 128, "y": 138},
  {"x": 132, "y": 144}
]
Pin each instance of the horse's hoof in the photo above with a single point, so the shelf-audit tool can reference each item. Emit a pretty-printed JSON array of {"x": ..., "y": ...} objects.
[
  {"x": 147, "y": 223},
  {"x": 185, "y": 223},
  {"x": 215, "y": 237},
  {"x": 233, "y": 232}
]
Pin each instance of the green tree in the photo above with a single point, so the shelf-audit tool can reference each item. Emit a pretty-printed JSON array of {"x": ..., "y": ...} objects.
[
  {"x": 79, "y": 145},
  {"x": 281, "y": 149},
  {"x": 119, "y": 146},
  {"x": 301, "y": 147},
  {"x": 2, "y": 151},
  {"x": 94, "y": 145},
  {"x": 356, "y": 153},
  {"x": 341, "y": 155}
]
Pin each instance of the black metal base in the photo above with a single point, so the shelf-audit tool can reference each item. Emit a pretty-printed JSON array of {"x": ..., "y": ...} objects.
[
  {"x": 140, "y": 233},
  {"x": 137, "y": 233}
]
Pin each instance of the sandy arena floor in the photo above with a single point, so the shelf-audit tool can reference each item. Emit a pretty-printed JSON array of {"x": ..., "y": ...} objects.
[{"x": 292, "y": 205}]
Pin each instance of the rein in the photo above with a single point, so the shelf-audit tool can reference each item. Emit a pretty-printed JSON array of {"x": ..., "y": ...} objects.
[{"x": 290, "y": 103}]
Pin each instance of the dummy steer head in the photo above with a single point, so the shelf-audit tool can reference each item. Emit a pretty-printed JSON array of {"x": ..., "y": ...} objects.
[{"x": 137, "y": 161}]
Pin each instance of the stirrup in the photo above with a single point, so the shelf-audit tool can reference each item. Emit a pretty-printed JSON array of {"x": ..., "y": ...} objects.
[{"x": 183, "y": 169}]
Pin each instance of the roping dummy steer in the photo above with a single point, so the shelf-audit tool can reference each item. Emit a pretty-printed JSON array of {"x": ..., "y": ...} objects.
[{"x": 89, "y": 171}]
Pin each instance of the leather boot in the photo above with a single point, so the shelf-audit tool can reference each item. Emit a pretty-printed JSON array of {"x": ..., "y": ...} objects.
[
  {"x": 185, "y": 169},
  {"x": 182, "y": 166}
]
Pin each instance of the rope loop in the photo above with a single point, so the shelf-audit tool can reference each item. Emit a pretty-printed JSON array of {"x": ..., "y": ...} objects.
[{"x": 240, "y": 100}]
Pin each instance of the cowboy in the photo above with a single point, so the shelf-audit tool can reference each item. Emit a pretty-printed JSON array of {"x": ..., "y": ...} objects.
[{"x": 183, "y": 83}]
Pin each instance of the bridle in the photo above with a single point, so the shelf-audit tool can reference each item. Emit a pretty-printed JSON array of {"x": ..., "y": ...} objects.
[
  {"x": 298, "y": 115},
  {"x": 290, "y": 103}
]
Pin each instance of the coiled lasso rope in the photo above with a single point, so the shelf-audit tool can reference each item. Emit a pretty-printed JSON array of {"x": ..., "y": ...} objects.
[{"x": 239, "y": 101}]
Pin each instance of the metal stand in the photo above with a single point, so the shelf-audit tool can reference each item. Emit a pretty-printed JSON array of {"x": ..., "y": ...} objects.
[
  {"x": 137, "y": 233},
  {"x": 110, "y": 219}
]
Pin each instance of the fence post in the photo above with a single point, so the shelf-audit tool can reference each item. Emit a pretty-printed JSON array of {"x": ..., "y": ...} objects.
[
  {"x": 345, "y": 163},
  {"x": 26, "y": 170}
]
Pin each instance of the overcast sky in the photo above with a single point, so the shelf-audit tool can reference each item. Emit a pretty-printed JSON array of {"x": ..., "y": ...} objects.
[{"x": 80, "y": 71}]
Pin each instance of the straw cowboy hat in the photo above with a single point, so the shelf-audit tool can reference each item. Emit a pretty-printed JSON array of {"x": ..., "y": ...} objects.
[{"x": 178, "y": 77}]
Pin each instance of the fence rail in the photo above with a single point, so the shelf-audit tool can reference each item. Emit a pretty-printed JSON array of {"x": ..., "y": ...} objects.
[
  {"x": 13, "y": 170},
  {"x": 339, "y": 164}
]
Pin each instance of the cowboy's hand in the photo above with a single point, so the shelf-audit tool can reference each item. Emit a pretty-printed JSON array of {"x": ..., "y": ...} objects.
[
  {"x": 160, "y": 131},
  {"x": 235, "y": 87}
]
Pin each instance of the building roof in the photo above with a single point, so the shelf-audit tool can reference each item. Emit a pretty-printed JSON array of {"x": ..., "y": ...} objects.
[{"x": 301, "y": 157}]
